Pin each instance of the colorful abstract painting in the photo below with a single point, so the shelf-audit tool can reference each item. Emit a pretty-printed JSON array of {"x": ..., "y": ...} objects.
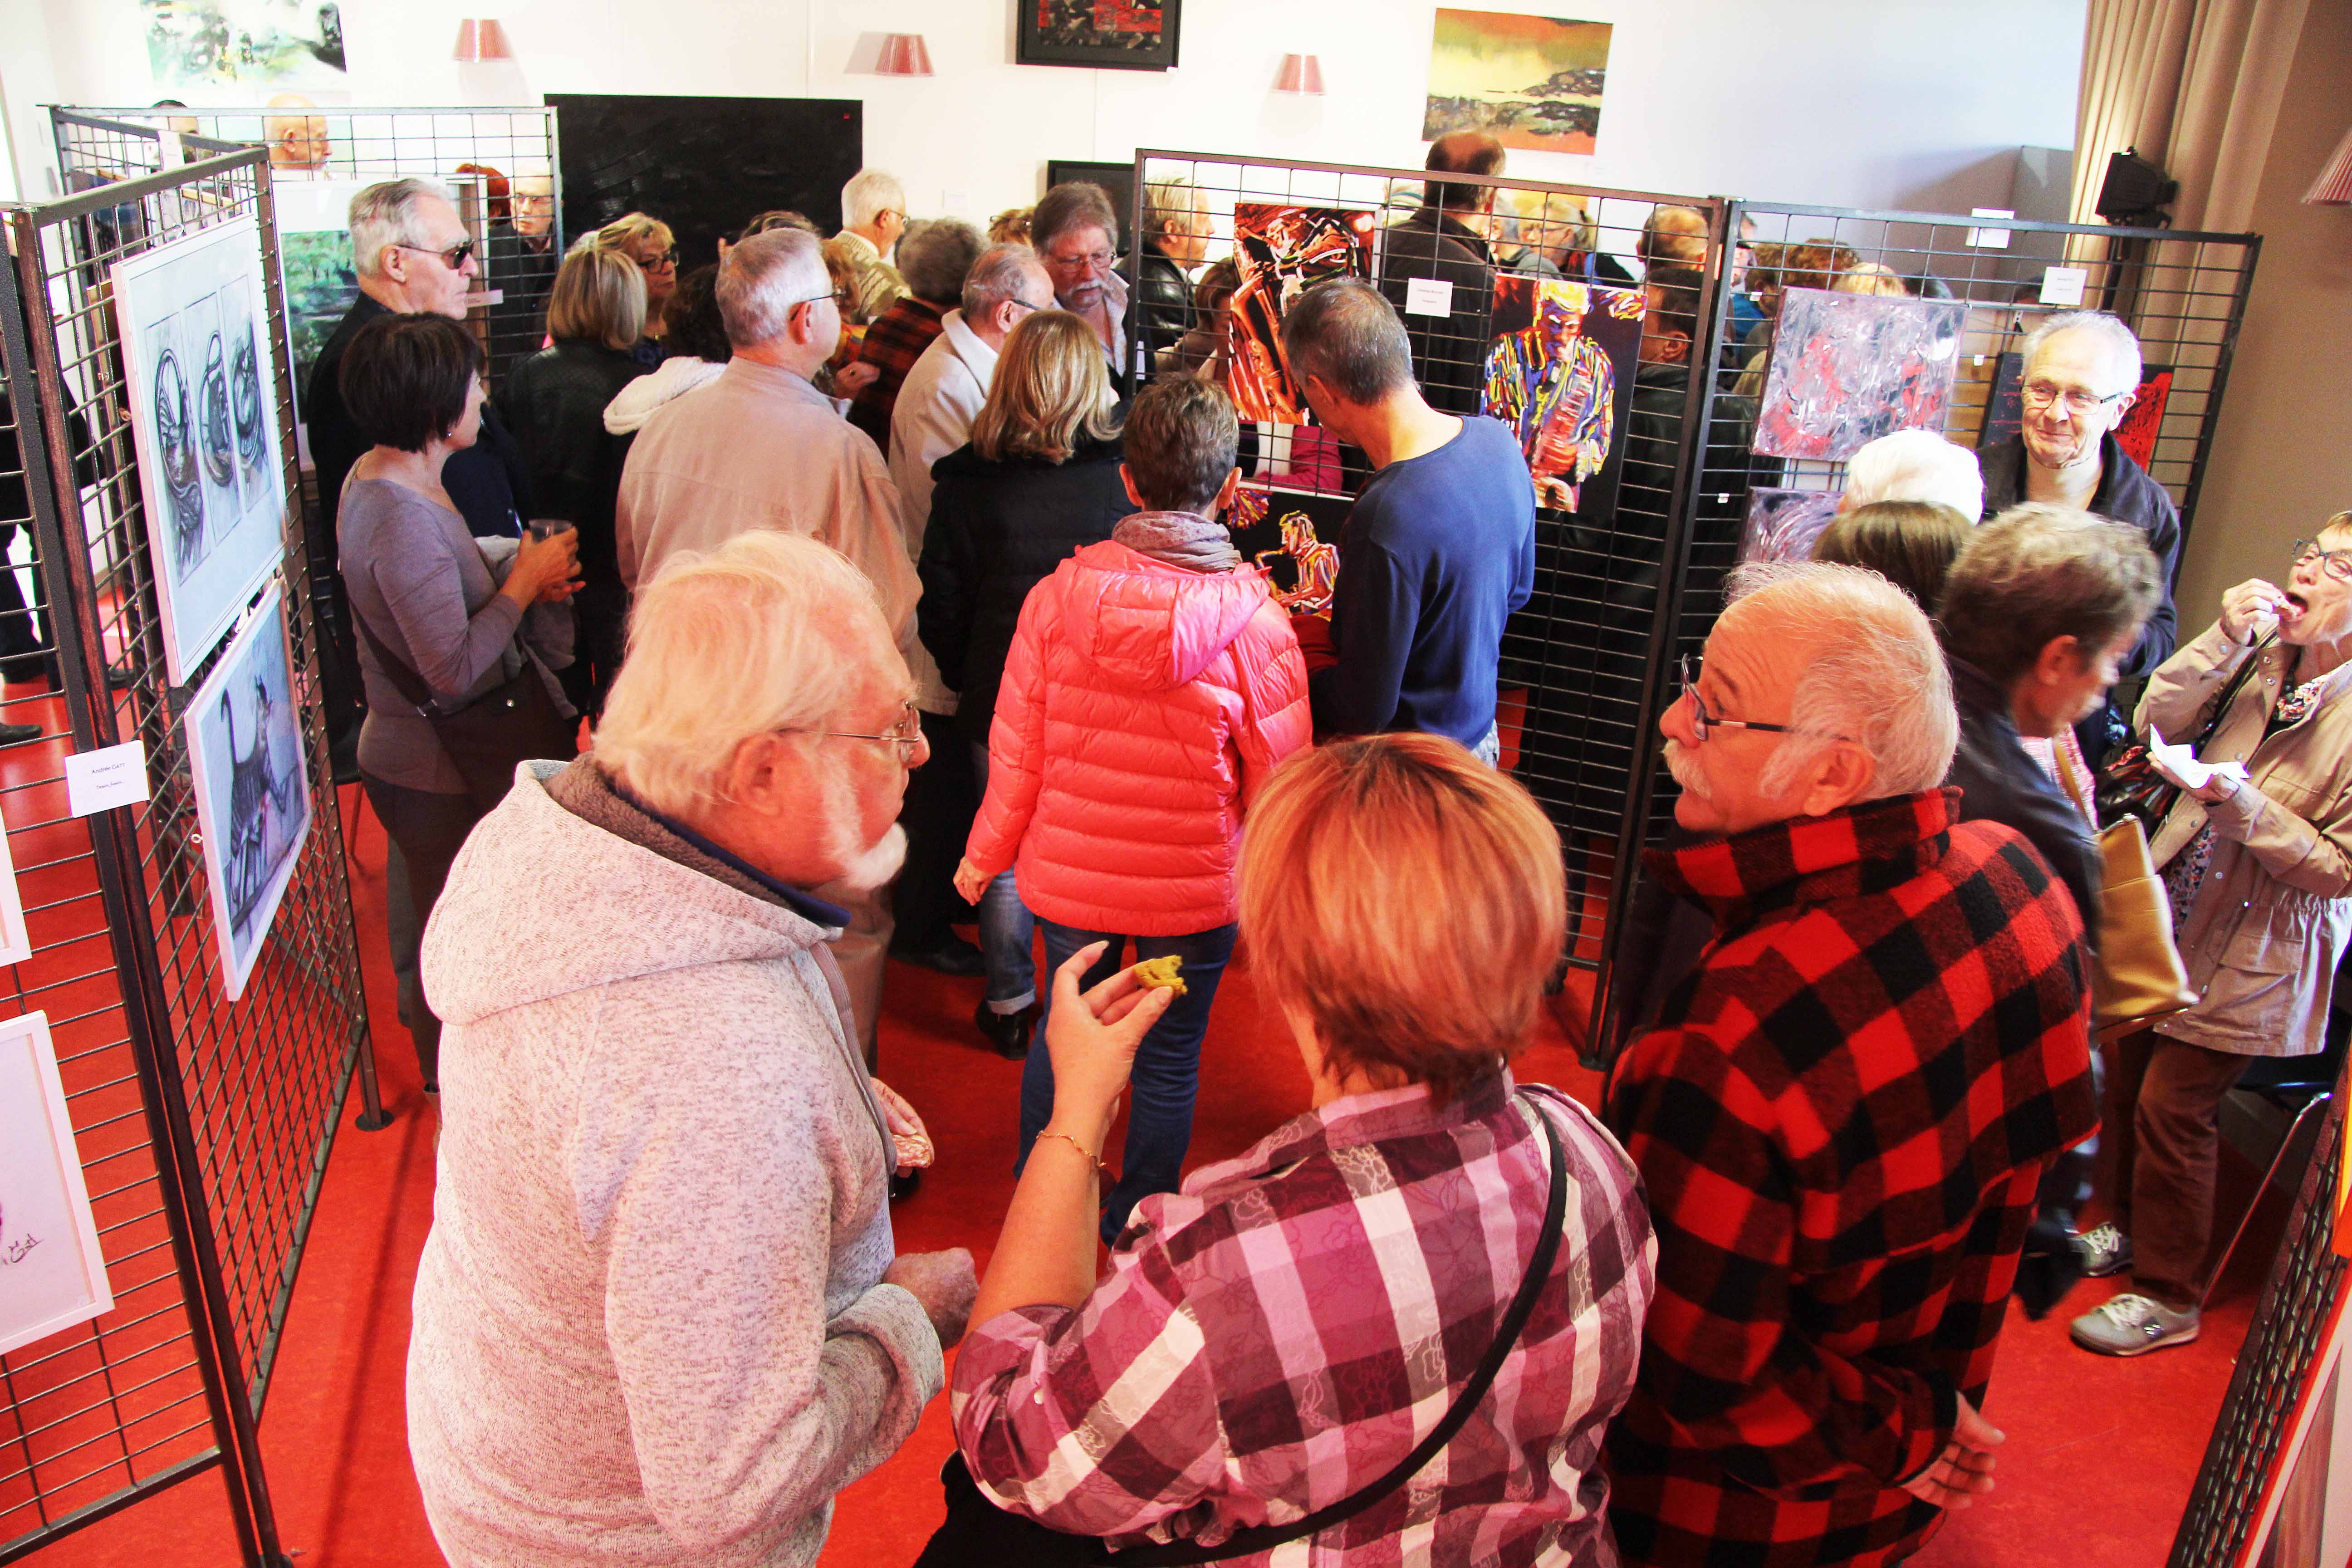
[
  {"x": 1560, "y": 373},
  {"x": 244, "y": 44},
  {"x": 1783, "y": 525},
  {"x": 1282, "y": 252},
  {"x": 1849, "y": 368},
  {"x": 1125, "y": 35},
  {"x": 1294, "y": 536},
  {"x": 1528, "y": 81}
]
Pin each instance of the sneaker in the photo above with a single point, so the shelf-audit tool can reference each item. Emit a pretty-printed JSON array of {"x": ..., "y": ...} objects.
[
  {"x": 1008, "y": 1032},
  {"x": 2106, "y": 1250},
  {"x": 2133, "y": 1325}
]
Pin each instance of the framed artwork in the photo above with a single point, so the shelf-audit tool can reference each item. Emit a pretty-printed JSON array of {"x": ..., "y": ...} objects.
[
  {"x": 1783, "y": 525},
  {"x": 52, "y": 1274},
  {"x": 1528, "y": 81},
  {"x": 194, "y": 329},
  {"x": 1294, "y": 536},
  {"x": 2005, "y": 404},
  {"x": 1118, "y": 181},
  {"x": 253, "y": 799},
  {"x": 2137, "y": 431},
  {"x": 1560, "y": 373},
  {"x": 1849, "y": 368},
  {"x": 314, "y": 266},
  {"x": 1282, "y": 252},
  {"x": 239, "y": 46},
  {"x": 1116, "y": 35}
]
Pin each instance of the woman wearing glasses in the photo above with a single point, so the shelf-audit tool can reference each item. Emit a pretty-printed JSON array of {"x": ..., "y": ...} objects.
[
  {"x": 2259, "y": 862},
  {"x": 648, "y": 241}
]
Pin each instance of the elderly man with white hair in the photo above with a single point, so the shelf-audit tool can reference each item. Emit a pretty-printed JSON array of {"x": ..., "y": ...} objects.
[
  {"x": 761, "y": 449},
  {"x": 2082, "y": 374},
  {"x": 1841, "y": 1117},
  {"x": 658, "y": 1319},
  {"x": 1914, "y": 465},
  {"x": 873, "y": 217}
]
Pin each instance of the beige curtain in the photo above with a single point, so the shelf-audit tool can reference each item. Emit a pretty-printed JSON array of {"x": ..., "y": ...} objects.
[{"x": 2195, "y": 85}]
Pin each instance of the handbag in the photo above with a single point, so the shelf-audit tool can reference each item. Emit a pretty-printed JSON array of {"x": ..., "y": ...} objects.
[
  {"x": 2138, "y": 976},
  {"x": 513, "y": 722},
  {"x": 2129, "y": 785}
]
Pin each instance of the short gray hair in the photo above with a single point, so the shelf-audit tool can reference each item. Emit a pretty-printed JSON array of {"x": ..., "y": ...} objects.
[
  {"x": 1072, "y": 205},
  {"x": 869, "y": 193},
  {"x": 763, "y": 279},
  {"x": 998, "y": 276},
  {"x": 2037, "y": 573},
  {"x": 1916, "y": 465},
  {"x": 936, "y": 256},
  {"x": 1166, "y": 199},
  {"x": 1344, "y": 333},
  {"x": 726, "y": 647},
  {"x": 1876, "y": 679},
  {"x": 385, "y": 214},
  {"x": 2121, "y": 344}
]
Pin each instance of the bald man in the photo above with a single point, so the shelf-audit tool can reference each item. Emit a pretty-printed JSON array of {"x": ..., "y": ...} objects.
[{"x": 1445, "y": 242}]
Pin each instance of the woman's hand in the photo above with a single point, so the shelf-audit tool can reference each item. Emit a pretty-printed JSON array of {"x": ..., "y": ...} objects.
[
  {"x": 1093, "y": 1037},
  {"x": 545, "y": 571},
  {"x": 2249, "y": 612},
  {"x": 970, "y": 881}
]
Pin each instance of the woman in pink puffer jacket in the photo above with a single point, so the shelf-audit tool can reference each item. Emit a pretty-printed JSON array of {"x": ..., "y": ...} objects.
[{"x": 1152, "y": 686}]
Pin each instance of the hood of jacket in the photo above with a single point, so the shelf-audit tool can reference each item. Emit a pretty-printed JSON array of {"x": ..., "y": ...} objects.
[
  {"x": 541, "y": 903},
  {"x": 1149, "y": 624},
  {"x": 636, "y": 402}
]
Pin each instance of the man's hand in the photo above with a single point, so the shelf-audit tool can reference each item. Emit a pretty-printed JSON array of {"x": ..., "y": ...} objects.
[
  {"x": 943, "y": 1282},
  {"x": 854, "y": 377},
  {"x": 1964, "y": 1469}
]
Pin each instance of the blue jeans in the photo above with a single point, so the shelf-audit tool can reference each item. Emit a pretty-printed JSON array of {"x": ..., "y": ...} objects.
[
  {"x": 1167, "y": 1074},
  {"x": 1006, "y": 928}
]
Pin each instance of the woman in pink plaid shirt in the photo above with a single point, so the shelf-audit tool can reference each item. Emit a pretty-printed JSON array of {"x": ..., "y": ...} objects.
[{"x": 1279, "y": 1336}]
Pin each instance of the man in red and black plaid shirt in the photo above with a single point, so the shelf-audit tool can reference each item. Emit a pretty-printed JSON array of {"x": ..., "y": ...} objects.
[
  {"x": 934, "y": 257},
  {"x": 1842, "y": 1114}
]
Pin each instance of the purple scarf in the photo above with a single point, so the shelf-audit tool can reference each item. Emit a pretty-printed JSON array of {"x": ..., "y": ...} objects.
[{"x": 1180, "y": 539}]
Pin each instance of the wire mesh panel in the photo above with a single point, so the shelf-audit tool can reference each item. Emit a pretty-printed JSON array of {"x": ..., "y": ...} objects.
[{"x": 203, "y": 1125}]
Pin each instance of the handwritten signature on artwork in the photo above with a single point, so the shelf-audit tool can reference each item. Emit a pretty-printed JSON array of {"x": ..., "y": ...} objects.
[{"x": 16, "y": 1251}]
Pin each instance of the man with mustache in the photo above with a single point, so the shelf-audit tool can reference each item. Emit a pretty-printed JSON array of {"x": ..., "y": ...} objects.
[{"x": 1841, "y": 1117}]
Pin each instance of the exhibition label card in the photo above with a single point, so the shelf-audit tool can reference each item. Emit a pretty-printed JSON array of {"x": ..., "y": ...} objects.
[
  {"x": 1428, "y": 297},
  {"x": 104, "y": 779},
  {"x": 2063, "y": 285},
  {"x": 1991, "y": 238}
]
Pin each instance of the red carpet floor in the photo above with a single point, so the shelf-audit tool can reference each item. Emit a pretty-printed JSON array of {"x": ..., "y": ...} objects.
[{"x": 2099, "y": 1461}]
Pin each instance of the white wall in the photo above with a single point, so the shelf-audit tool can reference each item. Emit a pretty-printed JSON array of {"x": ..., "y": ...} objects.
[{"x": 1907, "y": 102}]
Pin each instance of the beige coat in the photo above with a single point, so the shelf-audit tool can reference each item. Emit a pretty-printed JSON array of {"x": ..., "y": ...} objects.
[{"x": 2271, "y": 922}]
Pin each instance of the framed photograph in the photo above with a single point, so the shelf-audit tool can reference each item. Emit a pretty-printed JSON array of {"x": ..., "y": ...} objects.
[
  {"x": 1115, "y": 34},
  {"x": 52, "y": 1274},
  {"x": 195, "y": 330},
  {"x": 314, "y": 259},
  {"x": 253, "y": 799}
]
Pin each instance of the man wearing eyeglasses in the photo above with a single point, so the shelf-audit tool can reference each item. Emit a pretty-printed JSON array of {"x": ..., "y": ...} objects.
[
  {"x": 1075, "y": 234},
  {"x": 2082, "y": 375},
  {"x": 873, "y": 217}
]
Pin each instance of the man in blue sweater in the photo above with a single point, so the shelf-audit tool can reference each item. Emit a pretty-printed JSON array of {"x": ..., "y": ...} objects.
[{"x": 1440, "y": 548}]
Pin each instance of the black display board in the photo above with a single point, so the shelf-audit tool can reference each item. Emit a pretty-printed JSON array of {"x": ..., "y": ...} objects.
[
  {"x": 1118, "y": 181},
  {"x": 705, "y": 165}
]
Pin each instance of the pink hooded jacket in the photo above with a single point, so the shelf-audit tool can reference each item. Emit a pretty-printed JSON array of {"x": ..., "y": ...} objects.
[{"x": 1143, "y": 706}]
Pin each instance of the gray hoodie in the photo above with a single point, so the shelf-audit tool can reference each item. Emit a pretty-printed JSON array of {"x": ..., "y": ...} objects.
[{"x": 648, "y": 1327}]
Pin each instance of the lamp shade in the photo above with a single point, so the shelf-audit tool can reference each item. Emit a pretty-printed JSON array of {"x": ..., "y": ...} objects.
[
  {"x": 1299, "y": 73},
  {"x": 2333, "y": 187},
  {"x": 479, "y": 41},
  {"x": 903, "y": 54}
]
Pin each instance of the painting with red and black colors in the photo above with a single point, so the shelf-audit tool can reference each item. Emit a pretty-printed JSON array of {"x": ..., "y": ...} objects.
[
  {"x": 1849, "y": 368},
  {"x": 2135, "y": 432},
  {"x": 1282, "y": 252},
  {"x": 1123, "y": 35}
]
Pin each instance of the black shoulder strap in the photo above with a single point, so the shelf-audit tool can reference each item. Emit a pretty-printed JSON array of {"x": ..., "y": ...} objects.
[
  {"x": 404, "y": 680},
  {"x": 1266, "y": 1537},
  {"x": 2230, "y": 696}
]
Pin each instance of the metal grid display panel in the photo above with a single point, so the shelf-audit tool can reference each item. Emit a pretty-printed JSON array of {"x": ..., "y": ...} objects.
[
  {"x": 1582, "y": 651},
  {"x": 247, "y": 1094}
]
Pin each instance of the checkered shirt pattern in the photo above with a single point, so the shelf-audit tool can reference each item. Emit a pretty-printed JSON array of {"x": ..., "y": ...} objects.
[
  {"x": 1283, "y": 1331},
  {"x": 893, "y": 343},
  {"x": 1839, "y": 1120}
]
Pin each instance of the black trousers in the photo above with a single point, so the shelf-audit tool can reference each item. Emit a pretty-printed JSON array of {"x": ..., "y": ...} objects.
[
  {"x": 936, "y": 813},
  {"x": 429, "y": 829},
  {"x": 979, "y": 1534}
]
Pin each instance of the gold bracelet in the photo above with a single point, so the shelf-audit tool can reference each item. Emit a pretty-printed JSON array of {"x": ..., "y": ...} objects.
[{"x": 1100, "y": 1168}]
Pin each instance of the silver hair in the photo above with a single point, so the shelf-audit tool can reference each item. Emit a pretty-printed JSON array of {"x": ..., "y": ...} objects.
[
  {"x": 1916, "y": 465},
  {"x": 1164, "y": 201},
  {"x": 2122, "y": 345},
  {"x": 385, "y": 214},
  {"x": 998, "y": 276},
  {"x": 936, "y": 256},
  {"x": 763, "y": 279},
  {"x": 1876, "y": 678},
  {"x": 869, "y": 193}
]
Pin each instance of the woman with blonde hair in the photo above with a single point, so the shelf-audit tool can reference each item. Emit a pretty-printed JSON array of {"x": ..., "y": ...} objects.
[
  {"x": 646, "y": 241},
  {"x": 1040, "y": 480},
  {"x": 1278, "y": 1341}
]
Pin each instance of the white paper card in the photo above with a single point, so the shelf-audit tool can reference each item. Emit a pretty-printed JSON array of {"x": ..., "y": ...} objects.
[
  {"x": 2063, "y": 285},
  {"x": 1428, "y": 297},
  {"x": 1991, "y": 238},
  {"x": 52, "y": 1274},
  {"x": 106, "y": 778},
  {"x": 486, "y": 299},
  {"x": 2179, "y": 764}
]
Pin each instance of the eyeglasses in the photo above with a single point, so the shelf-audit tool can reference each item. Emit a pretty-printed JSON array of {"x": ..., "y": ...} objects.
[
  {"x": 907, "y": 736},
  {"x": 667, "y": 259},
  {"x": 2336, "y": 564},
  {"x": 2043, "y": 393},
  {"x": 1025, "y": 304},
  {"x": 1702, "y": 721},
  {"x": 456, "y": 257},
  {"x": 842, "y": 299},
  {"x": 1092, "y": 261}
]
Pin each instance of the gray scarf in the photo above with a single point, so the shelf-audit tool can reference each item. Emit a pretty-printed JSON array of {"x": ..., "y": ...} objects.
[{"x": 1180, "y": 539}]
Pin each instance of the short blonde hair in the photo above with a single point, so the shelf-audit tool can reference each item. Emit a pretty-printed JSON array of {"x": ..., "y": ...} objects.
[
  {"x": 1870, "y": 278},
  {"x": 630, "y": 227},
  {"x": 1166, "y": 201},
  {"x": 1411, "y": 899},
  {"x": 598, "y": 295},
  {"x": 762, "y": 635},
  {"x": 1050, "y": 387}
]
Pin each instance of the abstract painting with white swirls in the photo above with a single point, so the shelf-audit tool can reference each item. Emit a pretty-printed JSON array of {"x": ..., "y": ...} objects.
[
  {"x": 1849, "y": 368},
  {"x": 244, "y": 44},
  {"x": 1784, "y": 525}
]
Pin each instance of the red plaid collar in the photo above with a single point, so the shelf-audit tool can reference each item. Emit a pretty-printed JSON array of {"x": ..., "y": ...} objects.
[{"x": 1863, "y": 849}]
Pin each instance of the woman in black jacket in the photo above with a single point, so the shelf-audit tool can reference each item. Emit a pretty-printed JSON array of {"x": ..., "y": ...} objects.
[
  {"x": 554, "y": 404},
  {"x": 1040, "y": 479}
]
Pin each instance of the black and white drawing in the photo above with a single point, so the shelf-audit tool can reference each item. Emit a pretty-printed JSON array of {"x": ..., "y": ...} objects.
[
  {"x": 52, "y": 1274},
  {"x": 245, "y": 746}
]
